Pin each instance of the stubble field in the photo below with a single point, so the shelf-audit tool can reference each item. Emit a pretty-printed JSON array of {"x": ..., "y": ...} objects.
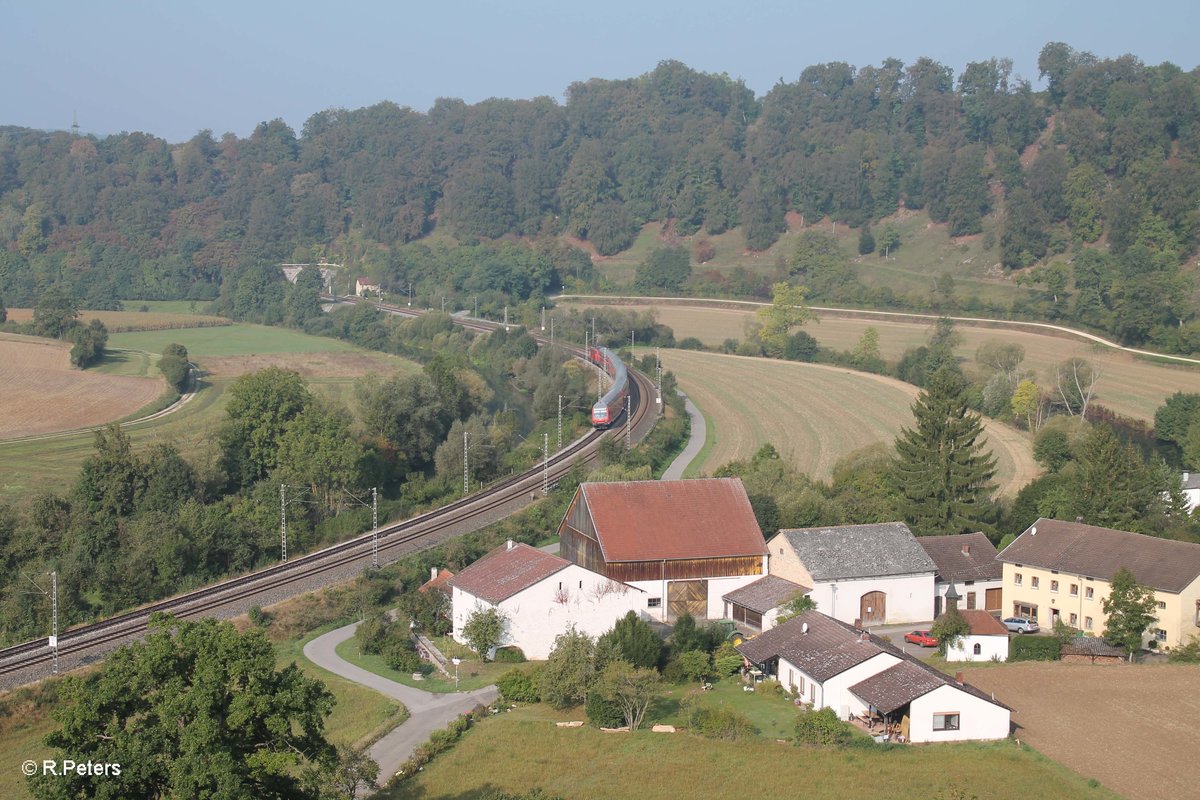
[
  {"x": 1128, "y": 385},
  {"x": 1130, "y": 727},
  {"x": 813, "y": 414}
]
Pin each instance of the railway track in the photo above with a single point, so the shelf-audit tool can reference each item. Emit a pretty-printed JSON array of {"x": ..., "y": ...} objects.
[{"x": 33, "y": 660}]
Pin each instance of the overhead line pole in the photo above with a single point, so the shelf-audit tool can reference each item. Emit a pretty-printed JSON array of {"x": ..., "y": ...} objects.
[
  {"x": 283, "y": 522},
  {"x": 628, "y": 422},
  {"x": 545, "y": 464}
]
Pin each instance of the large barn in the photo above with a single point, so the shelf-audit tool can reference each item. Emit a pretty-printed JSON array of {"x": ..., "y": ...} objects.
[{"x": 685, "y": 543}]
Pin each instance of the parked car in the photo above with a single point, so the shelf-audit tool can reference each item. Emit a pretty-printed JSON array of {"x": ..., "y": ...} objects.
[
  {"x": 1021, "y": 624},
  {"x": 923, "y": 638}
]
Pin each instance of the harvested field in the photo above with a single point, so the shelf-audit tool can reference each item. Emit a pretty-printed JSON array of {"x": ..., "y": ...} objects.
[
  {"x": 1130, "y": 727},
  {"x": 312, "y": 366},
  {"x": 1128, "y": 385},
  {"x": 814, "y": 414},
  {"x": 123, "y": 321},
  {"x": 41, "y": 392}
]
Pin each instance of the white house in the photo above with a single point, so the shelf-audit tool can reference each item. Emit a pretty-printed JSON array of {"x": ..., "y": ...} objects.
[
  {"x": 363, "y": 286},
  {"x": 756, "y": 606},
  {"x": 967, "y": 561},
  {"x": 877, "y": 574},
  {"x": 988, "y": 640},
  {"x": 685, "y": 543},
  {"x": 829, "y": 664},
  {"x": 1191, "y": 490},
  {"x": 540, "y": 596}
]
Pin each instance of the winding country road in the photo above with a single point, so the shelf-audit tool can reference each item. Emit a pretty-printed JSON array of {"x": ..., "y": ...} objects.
[{"x": 428, "y": 711}]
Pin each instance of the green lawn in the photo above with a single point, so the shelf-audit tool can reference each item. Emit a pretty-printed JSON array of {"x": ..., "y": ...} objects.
[
  {"x": 136, "y": 363},
  {"x": 168, "y": 306},
  {"x": 522, "y": 750},
  {"x": 19, "y": 741},
  {"x": 472, "y": 673},
  {"x": 230, "y": 340}
]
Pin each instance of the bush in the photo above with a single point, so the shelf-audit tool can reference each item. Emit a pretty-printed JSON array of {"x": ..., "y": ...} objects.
[
  {"x": 1034, "y": 648},
  {"x": 400, "y": 656},
  {"x": 517, "y": 686},
  {"x": 510, "y": 654},
  {"x": 602, "y": 712},
  {"x": 690, "y": 343},
  {"x": 821, "y": 728},
  {"x": 259, "y": 617},
  {"x": 1187, "y": 653},
  {"x": 721, "y": 722}
]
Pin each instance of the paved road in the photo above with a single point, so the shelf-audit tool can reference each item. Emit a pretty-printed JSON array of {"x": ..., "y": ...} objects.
[
  {"x": 695, "y": 442},
  {"x": 428, "y": 711}
]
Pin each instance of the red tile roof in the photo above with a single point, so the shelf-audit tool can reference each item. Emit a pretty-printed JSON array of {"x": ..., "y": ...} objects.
[
  {"x": 506, "y": 571},
  {"x": 668, "y": 520},
  {"x": 983, "y": 624},
  {"x": 443, "y": 577}
]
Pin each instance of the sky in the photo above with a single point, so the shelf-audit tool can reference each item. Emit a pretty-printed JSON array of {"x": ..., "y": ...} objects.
[{"x": 172, "y": 69}]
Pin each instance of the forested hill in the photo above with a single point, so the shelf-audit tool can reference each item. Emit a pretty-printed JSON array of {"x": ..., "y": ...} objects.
[{"x": 1109, "y": 154}]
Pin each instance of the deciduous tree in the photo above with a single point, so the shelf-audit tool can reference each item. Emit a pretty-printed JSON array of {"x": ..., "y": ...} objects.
[
  {"x": 787, "y": 311},
  {"x": 1130, "y": 609}
]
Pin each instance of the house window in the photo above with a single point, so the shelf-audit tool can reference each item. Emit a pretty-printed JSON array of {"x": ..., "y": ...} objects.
[
  {"x": 747, "y": 617},
  {"x": 1054, "y": 586},
  {"x": 945, "y": 722},
  {"x": 1025, "y": 610},
  {"x": 1074, "y": 620},
  {"x": 1087, "y": 623},
  {"x": 654, "y": 602},
  {"x": 1162, "y": 604},
  {"x": 800, "y": 686},
  {"x": 1089, "y": 593},
  {"x": 1197, "y": 619},
  {"x": 812, "y": 692},
  {"x": 1035, "y": 581},
  {"x": 1074, "y": 590},
  {"x": 978, "y": 649},
  {"x": 1017, "y": 578},
  {"x": 1160, "y": 635}
]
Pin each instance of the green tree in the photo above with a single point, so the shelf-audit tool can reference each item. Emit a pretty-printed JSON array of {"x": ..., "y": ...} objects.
[
  {"x": 196, "y": 710},
  {"x": 173, "y": 364},
  {"x": 787, "y": 310},
  {"x": 795, "y": 607},
  {"x": 866, "y": 242},
  {"x": 948, "y": 629},
  {"x": 695, "y": 665},
  {"x": 317, "y": 450},
  {"x": 821, "y": 729},
  {"x": 866, "y": 351},
  {"x": 943, "y": 470},
  {"x": 303, "y": 298},
  {"x": 888, "y": 240},
  {"x": 90, "y": 341},
  {"x": 1027, "y": 404},
  {"x": 3, "y": 311},
  {"x": 1113, "y": 485},
  {"x": 349, "y": 774},
  {"x": 665, "y": 269},
  {"x": 1130, "y": 609},
  {"x": 261, "y": 404},
  {"x": 570, "y": 670},
  {"x": 55, "y": 312},
  {"x": 1175, "y": 416},
  {"x": 635, "y": 640},
  {"x": 484, "y": 630},
  {"x": 632, "y": 689}
]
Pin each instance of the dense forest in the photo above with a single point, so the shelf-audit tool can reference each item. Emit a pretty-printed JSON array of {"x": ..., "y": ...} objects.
[{"x": 1094, "y": 181}]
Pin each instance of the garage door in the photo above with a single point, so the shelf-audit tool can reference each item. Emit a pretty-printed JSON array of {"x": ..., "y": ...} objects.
[
  {"x": 991, "y": 600},
  {"x": 687, "y": 597},
  {"x": 873, "y": 608}
]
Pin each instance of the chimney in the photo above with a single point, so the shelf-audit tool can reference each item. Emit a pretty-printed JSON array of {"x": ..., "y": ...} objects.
[
  {"x": 433, "y": 573},
  {"x": 958, "y": 678},
  {"x": 966, "y": 549},
  {"x": 511, "y": 545}
]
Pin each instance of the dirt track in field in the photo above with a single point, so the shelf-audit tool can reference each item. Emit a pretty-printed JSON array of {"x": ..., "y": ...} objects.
[
  {"x": 40, "y": 392},
  {"x": 1133, "y": 728},
  {"x": 814, "y": 414}
]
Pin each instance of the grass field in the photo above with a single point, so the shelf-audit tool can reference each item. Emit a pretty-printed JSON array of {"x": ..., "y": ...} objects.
[
  {"x": 40, "y": 392},
  {"x": 122, "y": 321},
  {"x": 1131, "y": 727},
  {"x": 813, "y": 414},
  {"x": 523, "y": 749},
  {"x": 330, "y": 366},
  {"x": 472, "y": 673},
  {"x": 1129, "y": 385}
]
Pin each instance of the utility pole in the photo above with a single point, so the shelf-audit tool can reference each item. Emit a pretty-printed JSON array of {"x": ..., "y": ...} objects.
[
  {"x": 658, "y": 377},
  {"x": 375, "y": 527},
  {"x": 628, "y": 422},
  {"x": 283, "y": 522},
  {"x": 551, "y": 331},
  {"x": 545, "y": 464},
  {"x": 632, "y": 341},
  {"x": 506, "y": 319},
  {"x": 443, "y": 304},
  {"x": 410, "y": 294},
  {"x": 559, "y": 422},
  {"x": 476, "y": 306},
  {"x": 466, "y": 471},
  {"x": 54, "y": 616},
  {"x": 543, "y": 318}
]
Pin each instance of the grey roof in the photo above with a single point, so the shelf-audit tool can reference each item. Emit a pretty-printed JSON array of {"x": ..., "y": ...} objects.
[
  {"x": 897, "y": 686},
  {"x": 766, "y": 593},
  {"x": 826, "y": 647},
  {"x": 859, "y": 551},
  {"x": 1190, "y": 480},
  {"x": 963, "y": 557},
  {"x": 1090, "y": 646}
]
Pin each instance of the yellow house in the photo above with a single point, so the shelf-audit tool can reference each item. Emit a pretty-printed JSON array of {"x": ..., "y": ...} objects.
[{"x": 1060, "y": 571}]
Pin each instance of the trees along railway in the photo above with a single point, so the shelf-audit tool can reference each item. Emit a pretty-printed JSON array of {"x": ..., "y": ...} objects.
[{"x": 85, "y": 644}]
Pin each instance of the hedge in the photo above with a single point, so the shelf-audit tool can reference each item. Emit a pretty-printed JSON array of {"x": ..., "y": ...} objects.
[{"x": 1034, "y": 648}]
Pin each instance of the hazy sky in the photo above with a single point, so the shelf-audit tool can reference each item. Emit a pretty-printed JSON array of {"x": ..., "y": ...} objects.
[{"x": 173, "y": 68}]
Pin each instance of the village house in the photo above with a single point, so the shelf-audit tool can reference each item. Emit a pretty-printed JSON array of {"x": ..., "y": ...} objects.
[
  {"x": 968, "y": 561},
  {"x": 828, "y": 664},
  {"x": 1190, "y": 486},
  {"x": 686, "y": 544},
  {"x": 1061, "y": 571},
  {"x": 756, "y": 606},
  {"x": 987, "y": 641},
  {"x": 876, "y": 574},
  {"x": 539, "y": 596},
  {"x": 365, "y": 286}
]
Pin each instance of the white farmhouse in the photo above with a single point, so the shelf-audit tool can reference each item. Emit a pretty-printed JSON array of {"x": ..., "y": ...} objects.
[
  {"x": 987, "y": 641},
  {"x": 540, "y": 596},
  {"x": 875, "y": 574},
  {"x": 968, "y": 560}
]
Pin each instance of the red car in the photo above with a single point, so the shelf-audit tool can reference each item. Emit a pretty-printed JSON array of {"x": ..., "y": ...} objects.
[{"x": 923, "y": 638}]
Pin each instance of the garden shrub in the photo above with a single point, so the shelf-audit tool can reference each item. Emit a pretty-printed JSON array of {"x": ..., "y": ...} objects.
[
  {"x": 1034, "y": 648},
  {"x": 517, "y": 686},
  {"x": 509, "y": 654},
  {"x": 821, "y": 728},
  {"x": 602, "y": 712}
]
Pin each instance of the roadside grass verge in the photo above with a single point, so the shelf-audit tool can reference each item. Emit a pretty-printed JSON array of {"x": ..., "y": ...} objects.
[{"x": 472, "y": 673}]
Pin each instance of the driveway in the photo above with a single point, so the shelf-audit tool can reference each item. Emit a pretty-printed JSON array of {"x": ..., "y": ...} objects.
[{"x": 428, "y": 711}]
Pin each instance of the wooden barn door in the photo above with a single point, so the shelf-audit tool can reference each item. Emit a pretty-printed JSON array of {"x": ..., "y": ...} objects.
[
  {"x": 991, "y": 600},
  {"x": 873, "y": 608},
  {"x": 688, "y": 597}
]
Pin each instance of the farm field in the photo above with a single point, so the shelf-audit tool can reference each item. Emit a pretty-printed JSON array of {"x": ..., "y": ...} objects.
[
  {"x": 330, "y": 367},
  {"x": 523, "y": 750},
  {"x": 813, "y": 414},
  {"x": 1130, "y": 727},
  {"x": 122, "y": 321},
  {"x": 41, "y": 392},
  {"x": 1128, "y": 385}
]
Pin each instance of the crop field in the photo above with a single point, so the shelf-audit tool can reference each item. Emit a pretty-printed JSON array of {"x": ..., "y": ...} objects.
[
  {"x": 813, "y": 414},
  {"x": 123, "y": 321},
  {"x": 1131, "y": 727},
  {"x": 41, "y": 392},
  {"x": 1128, "y": 385},
  {"x": 523, "y": 750}
]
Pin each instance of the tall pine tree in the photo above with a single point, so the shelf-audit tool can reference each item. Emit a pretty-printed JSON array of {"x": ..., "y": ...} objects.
[{"x": 943, "y": 470}]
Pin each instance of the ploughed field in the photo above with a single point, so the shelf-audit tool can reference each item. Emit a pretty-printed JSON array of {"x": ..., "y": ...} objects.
[
  {"x": 814, "y": 414},
  {"x": 41, "y": 392},
  {"x": 1131, "y": 727}
]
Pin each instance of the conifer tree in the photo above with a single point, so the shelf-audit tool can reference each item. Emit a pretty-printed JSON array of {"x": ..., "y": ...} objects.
[{"x": 943, "y": 470}]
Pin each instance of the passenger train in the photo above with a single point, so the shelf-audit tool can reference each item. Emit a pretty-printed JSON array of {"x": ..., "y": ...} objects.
[{"x": 609, "y": 407}]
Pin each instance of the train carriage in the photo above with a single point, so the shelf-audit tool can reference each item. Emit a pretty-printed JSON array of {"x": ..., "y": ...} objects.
[{"x": 611, "y": 404}]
